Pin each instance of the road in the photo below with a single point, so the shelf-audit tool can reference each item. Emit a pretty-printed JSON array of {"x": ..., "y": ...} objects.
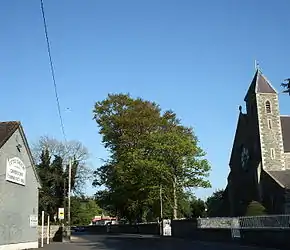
[{"x": 81, "y": 241}]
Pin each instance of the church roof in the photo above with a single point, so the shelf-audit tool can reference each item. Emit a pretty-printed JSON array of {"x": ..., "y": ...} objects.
[
  {"x": 282, "y": 176},
  {"x": 285, "y": 125},
  {"x": 6, "y": 130},
  {"x": 260, "y": 84}
]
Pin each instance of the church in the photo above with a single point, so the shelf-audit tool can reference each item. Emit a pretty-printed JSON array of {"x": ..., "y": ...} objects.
[{"x": 260, "y": 158}]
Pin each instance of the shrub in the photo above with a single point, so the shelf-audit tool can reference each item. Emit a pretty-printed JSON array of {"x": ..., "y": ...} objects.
[{"x": 255, "y": 209}]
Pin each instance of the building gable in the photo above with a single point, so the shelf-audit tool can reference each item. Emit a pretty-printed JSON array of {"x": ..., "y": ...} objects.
[
  {"x": 238, "y": 139},
  {"x": 7, "y": 130}
]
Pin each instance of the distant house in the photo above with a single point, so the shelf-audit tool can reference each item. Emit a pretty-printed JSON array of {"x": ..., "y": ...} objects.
[
  {"x": 19, "y": 186},
  {"x": 103, "y": 220}
]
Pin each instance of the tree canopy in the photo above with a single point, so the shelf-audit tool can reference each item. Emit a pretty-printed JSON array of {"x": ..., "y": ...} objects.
[
  {"x": 52, "y": 158},
  {"x": 150, "y": 154},
  {"x": 70, "y": 150},
  {"x": 83, "y": 210},
  {"x": 214, "y": 203}
]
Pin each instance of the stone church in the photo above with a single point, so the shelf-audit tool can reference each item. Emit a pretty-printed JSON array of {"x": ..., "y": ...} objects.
[{"x": 260, "y": 157}]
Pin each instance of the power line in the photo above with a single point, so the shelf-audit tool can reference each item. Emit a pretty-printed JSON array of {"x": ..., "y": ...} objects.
[{"x": 52, "y": 70}]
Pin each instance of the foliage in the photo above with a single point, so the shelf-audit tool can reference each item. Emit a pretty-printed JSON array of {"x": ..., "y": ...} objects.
[
  {"x": 71, "y": 150},
  {"x": 83, "y": 210},
  {"x": 54, "y": 181},
  {"x": 149, "y": 152},
  {"x": 255, "y": 209},
  {"x": 192, "y": 207},
  {"x": 286, "y": 86},
  {"x": 197, "y": 208},
  {"x": 214, "y": 203}
]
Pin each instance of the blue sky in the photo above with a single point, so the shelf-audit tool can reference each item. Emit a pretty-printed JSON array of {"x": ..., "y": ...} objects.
[{"x": 195, "y": 57}]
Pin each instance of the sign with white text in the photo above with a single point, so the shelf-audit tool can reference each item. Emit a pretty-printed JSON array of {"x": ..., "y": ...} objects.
[
  {"x": 15, "y": 171},
  {"x": 61, "y": 213},
  {"x": 166, "y": 227},
  {"x": 33, "y": 221}
]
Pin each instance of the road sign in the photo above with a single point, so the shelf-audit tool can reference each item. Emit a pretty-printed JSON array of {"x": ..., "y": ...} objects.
[
  {"x": 61, "y": 213},
  {"x": 33, "y": 220}
]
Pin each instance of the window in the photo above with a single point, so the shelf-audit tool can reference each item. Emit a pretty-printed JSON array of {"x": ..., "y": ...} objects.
[
  {"x": 269, "y": 124},
  {"x": 268, "y": 107},
  {"x": 272, "y": 153}
]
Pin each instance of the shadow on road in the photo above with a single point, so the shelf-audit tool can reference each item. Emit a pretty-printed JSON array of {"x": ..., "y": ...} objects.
[{"x": 142, "y": 242}]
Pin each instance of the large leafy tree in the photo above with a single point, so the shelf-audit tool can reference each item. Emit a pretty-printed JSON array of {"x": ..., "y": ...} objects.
[{"x": 150, "y": 152}]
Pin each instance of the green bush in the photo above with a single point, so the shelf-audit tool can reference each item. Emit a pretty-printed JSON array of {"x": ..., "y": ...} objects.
[{"x": 255, "y": 209}]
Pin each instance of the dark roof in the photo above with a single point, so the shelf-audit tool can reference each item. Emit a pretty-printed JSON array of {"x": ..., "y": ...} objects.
[
  {"x": 260, "y": 84},
  {"x": 285, "y": 125},
  {"x": 6, "y": 130},
  {"x": 282, "y": 176},
  {"x": 240, "y": 131}
]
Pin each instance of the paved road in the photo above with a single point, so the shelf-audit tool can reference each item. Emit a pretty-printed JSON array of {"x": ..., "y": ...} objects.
[{"x": 136, "y": 242}]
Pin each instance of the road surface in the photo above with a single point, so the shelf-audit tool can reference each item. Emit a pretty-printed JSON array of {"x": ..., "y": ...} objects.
[{"x": 82, "y": 241}]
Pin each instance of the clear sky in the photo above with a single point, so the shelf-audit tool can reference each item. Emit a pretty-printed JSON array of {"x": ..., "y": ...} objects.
[{"x": 195, "y": 57}]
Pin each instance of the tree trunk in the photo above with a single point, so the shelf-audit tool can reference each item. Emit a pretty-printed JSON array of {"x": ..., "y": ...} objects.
[{"x": 175, "y": 207}]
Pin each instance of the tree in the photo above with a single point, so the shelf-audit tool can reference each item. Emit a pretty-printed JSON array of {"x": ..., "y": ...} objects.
[
  {"x": 286, "y": 86},
  {"x": 197, "y": 208},
  {"x": 83, "y": 210},
  {"x": 71, "y": 150},
  {"x": 191, "y": 207},
  {"x": 54, "y": 179},
  {"x": 214, "y": 203},
  {"x": 149, "y": 151},
  {"x": 255, "y": 209},
  {"x": 51, "y": 195}
]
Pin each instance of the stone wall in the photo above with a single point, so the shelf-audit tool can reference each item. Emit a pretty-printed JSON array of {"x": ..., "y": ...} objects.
[
  {"x": 150, "y": 228},
  {"x": 53, "y": 230},
  {"x": 208, "y": 229}
]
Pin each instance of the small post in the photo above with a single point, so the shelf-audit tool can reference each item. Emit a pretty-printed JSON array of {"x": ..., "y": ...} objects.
[
  {"x": 69, "y": 197},
  {"x": 47, "y": 231},
  {"x": 42, "y": 227},
  {"x": 161, "y": 210},
  {"x": 161, "y": 202}
]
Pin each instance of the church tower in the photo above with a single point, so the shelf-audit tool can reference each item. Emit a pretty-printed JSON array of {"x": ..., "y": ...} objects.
[{"x": 263, "y": 107}]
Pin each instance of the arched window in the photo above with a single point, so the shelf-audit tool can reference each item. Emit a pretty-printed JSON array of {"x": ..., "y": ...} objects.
[{"x": 268, "y": 107}]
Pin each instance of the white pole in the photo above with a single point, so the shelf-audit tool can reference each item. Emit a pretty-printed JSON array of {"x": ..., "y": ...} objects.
[
  {"x": 69, "y": 194},
  {"x": 47, "y": 231},
  {"x": 42, "y": 227}
]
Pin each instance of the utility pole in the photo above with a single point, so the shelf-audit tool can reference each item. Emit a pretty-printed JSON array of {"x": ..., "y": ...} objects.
[
  {"x": 69, "y": 194},
  {"x": 161, "y": 210},
  {"x": 161, "y": 202}
]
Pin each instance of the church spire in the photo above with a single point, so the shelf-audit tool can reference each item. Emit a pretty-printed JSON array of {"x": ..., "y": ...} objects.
[{"x": 260, "y": 84}]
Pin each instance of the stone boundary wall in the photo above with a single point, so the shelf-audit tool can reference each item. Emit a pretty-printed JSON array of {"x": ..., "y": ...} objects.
[
  {"x": 212, "y": 229},
  {"x": 219, "y": 222},
  {"x": 53, "y": 230}
]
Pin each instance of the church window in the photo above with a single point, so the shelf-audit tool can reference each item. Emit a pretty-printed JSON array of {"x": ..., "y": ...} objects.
[
  {"x": 268, "y": 107},
  {"x": 269, "y": 123},
  {"x": 272, "y": 153}
]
